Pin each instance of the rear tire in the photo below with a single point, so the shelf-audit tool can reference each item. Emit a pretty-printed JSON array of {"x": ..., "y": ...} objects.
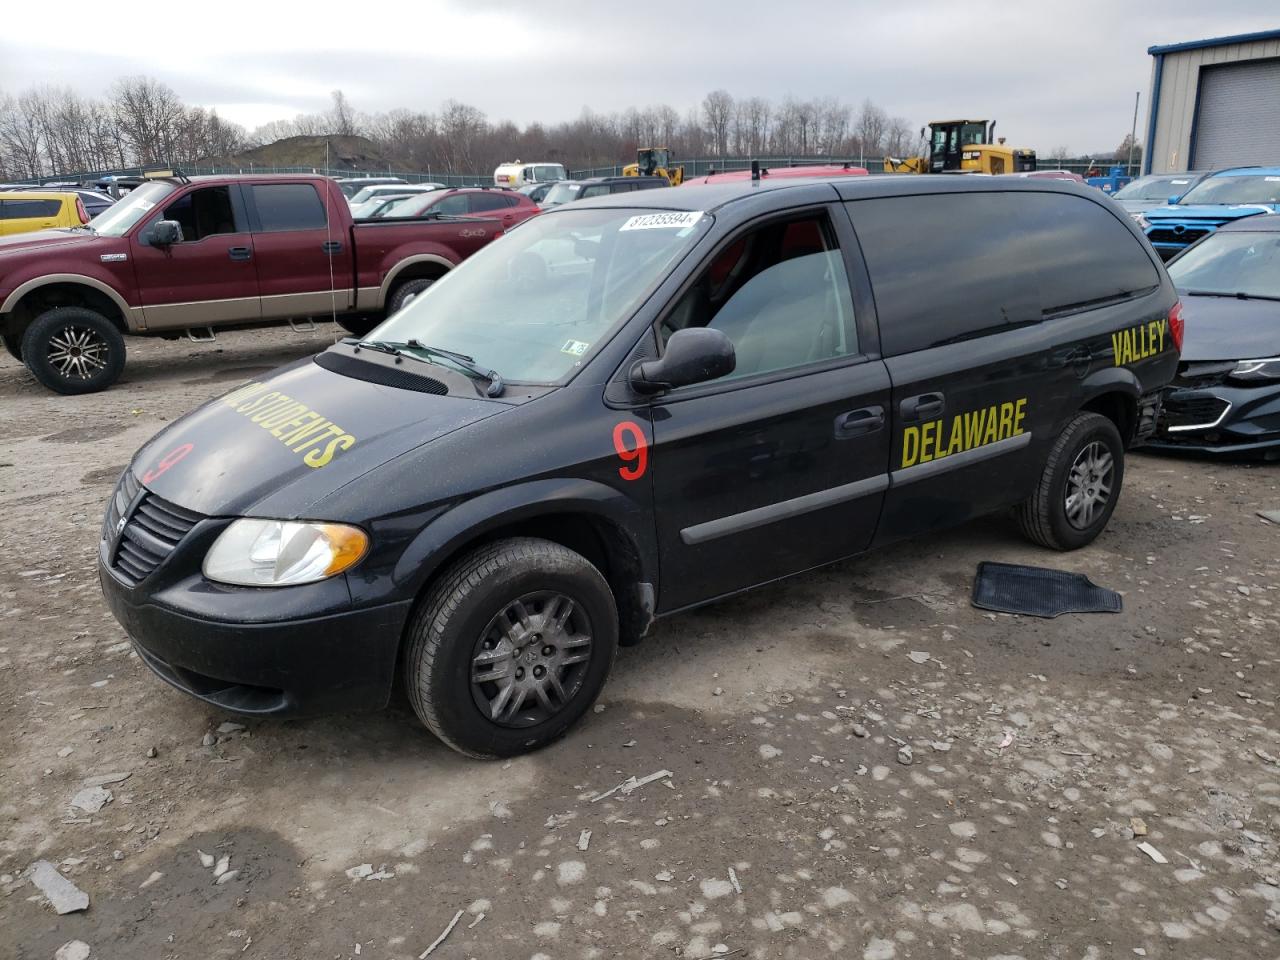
[
  {"x": 13, "y": 343},
  {"x": 515, "y": 611},
  {"x": 73, "y": 350},
  {"x": 359, "y": 326},
  {"x": 1079, "y": 488},
  {"x": 406, "y": 292}
]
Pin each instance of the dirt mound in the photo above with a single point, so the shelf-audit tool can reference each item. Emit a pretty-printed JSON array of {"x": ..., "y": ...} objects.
[{"x": 334, "y": 152}]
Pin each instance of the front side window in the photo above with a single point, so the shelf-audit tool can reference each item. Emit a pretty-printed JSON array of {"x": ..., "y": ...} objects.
[
  {"x": 952, "y": 266},
  {"x": 1250, "y": 188},
  {"x": 780, "y": 294},
  {"x": 454, "y": 205},
  {"x": 1231, "y": 264},
  {"x": 202, "y": 213},
  {"x": 537, "y": 304},
  {"x": 595, "y": 190},
  {"x": 288, "y": 206}
]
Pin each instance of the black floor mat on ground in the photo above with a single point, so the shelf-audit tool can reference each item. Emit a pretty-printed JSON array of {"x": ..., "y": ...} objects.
[{"x": 1036, "y": 592}]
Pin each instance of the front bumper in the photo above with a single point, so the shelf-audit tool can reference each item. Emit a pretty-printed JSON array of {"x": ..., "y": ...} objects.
[
  {"x": 260, "y": 651},
  {"x": 1221, "y": 420}
]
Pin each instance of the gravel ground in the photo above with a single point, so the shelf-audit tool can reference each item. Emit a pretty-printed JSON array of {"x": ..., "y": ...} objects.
[{"x": 857, "y": 762}]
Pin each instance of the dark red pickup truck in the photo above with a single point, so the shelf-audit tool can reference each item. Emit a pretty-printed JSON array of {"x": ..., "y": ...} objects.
[{"x": 191, "y": 255}]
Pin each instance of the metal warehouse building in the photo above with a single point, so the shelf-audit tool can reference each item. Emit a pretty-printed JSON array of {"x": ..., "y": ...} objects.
[{"x": 1214, "y": 103}]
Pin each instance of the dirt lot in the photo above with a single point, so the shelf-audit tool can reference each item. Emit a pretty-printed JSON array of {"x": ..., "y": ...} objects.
[{"x": 794, "y": 822}]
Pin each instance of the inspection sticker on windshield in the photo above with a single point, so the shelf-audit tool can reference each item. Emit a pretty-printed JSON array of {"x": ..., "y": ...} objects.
[
  {"x": 575, "y": 348},
  {"x": 662, "y": 221}
]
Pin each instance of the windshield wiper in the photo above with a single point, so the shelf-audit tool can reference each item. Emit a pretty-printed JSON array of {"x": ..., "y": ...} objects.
[
  {"x": 468, "y": 364},
  {"x": 461, "y": 360},
  {"x": 1238, "y": 294},
  {"x": 378, "y": 345}
]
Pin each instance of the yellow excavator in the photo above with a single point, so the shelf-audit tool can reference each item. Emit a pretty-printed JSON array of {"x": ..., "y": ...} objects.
[
  {"x": 654, "y": 162},
  {"x": 963, "y": 146}
]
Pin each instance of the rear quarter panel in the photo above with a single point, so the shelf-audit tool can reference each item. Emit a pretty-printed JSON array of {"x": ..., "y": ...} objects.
[{"x": 384, "y": 248}]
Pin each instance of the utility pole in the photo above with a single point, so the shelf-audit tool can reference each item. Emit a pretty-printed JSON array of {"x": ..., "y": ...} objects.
[{"x": 1133, "y": 133}]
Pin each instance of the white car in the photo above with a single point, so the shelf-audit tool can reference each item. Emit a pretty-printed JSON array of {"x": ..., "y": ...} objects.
[{"x": 392, "y": 189}]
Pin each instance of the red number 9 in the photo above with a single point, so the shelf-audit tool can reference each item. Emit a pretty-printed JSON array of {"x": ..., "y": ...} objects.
[
  {"x": 168, "y": 460},
  {"x": 637, "y": 453}
]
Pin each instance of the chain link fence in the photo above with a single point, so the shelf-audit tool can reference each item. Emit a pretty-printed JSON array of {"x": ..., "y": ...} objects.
[{"x": 698, "y": 167}]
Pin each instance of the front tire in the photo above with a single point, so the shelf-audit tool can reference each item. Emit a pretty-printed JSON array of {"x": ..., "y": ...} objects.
[
  {"x": 510, "y": 647},
  {"x": 1079, "y": 487},
  {"x": 73, "y": 350}
]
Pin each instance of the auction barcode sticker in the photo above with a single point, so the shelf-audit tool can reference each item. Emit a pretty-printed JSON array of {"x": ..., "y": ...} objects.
[{"x": 663, "y": 221}]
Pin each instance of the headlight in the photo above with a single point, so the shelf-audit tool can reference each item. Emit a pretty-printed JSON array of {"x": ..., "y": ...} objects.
[
  {"x": 1268, "y": 369},
  {"x": 281, "y": 553}
]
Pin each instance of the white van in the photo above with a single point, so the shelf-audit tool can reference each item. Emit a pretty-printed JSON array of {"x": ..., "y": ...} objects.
[{"x": 517, "y": 174}]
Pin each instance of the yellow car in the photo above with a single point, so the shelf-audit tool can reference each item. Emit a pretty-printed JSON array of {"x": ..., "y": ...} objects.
[{"x": 22, "y": 212}]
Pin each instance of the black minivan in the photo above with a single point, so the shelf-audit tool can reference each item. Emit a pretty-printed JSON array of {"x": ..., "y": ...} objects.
[{"x": 629, "y": 407}]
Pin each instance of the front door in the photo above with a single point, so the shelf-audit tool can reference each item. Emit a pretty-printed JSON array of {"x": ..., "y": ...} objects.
[
  {"x": 303, "y": 254},
  {"x": 207, "y": 278},
  {"x": 780, "y": 466}
]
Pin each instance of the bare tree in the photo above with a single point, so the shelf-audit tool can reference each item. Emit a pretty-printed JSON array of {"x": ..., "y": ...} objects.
[
  {"x": 342, "y": 117},
  {"x": 870, "y": 129},
  {"x": 717, "y": 108}
]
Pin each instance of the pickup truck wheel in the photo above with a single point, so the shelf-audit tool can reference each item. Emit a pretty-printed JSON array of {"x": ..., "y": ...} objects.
[
  {"x": 73, "y": 350},
  {"x": 13, "y": 343},
  {"x": 510, "y": 647},
  {"x": 1079, "y": 487},
  {"x": 406, "y": 292}
]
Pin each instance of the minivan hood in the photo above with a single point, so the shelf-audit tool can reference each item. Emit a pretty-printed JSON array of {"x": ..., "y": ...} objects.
[
  {"x": 1207, "y": 211},
  {"x": 273, "y": 447},
  {"x": 1226, "y": 328}
]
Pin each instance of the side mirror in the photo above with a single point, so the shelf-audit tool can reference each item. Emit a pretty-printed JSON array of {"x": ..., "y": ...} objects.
[
  {"x": 693, "y": 355},
  {"x": 166, "y": 233},
  {"x": 1174, "y": 199}
]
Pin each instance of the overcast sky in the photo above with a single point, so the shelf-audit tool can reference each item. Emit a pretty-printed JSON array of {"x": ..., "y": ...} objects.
[{"x": 1053, "y": 73}]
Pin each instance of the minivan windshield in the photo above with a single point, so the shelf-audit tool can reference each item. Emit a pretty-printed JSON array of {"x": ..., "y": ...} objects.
[
  {"x": 535, "y": 305},
  {"x": 119, "y": 218},
  {"x": 1231, "y": 264},
  {"x": 1251, "y": 188}
]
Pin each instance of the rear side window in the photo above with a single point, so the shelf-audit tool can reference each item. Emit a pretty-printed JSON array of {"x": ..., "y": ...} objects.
[
  {"x": 24, "y": 209},
  {"x": 949, "y": 267},
  {"x": 484, "y": 202},
  {"x": 288, "y": 206}
]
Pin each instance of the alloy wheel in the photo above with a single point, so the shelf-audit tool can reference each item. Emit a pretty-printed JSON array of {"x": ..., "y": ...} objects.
[{"x": 1089, "y": 484}]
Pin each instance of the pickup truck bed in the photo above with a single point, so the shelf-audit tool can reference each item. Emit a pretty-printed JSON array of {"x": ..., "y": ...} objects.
[{"x": 208, "y": 253}]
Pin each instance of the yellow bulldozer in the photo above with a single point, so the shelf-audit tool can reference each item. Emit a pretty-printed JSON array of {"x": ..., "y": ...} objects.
[
  {"x": 963, "y": 146},
  {"x": 655, "y": 162}
]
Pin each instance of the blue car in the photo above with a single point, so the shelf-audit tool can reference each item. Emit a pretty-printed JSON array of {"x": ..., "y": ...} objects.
[{"x": 1221, "y": 197}]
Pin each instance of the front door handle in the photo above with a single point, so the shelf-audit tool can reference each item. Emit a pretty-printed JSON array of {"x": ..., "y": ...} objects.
[
  {"x": 926, "y": 406},
  {"x": 239, "y": 253},
  {"x": 331, "y": 247},
  {"x": 857, "y": 423}
]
